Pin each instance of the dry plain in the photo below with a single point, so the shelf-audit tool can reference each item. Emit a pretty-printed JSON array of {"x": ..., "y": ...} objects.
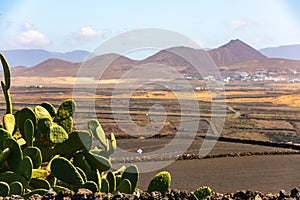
[{"x": 267, "y": 112}]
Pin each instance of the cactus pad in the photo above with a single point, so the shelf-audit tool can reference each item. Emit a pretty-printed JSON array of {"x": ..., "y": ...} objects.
[
  {"x": 80, "y": 161},
  {"x": 112, "y": 182},
  {"x": 50, "y": 108},
  {"x": 39, "y": 183},
  {"x": 6, "y": 70},
  {"x": 16, "y": 156},
  {"x": 203, "y": 192},
  {"x": 10, "y": 177},
  {"x": 43, "y": 131},
  {"x": 104, "y": 185},
  {"x": 65, "y": 171},
  {"x": 16, "y": 188},
  {"x": 65, "y": 110},
  {"x": 91, "y": 185},
  {"x": 4, "y": 189},
  {"x": 41, "y": 112},
  {"x": 4, "y": 155},
  {"x": 160, "y": 182},
  {"x": 67, "y": 124},
  {"x": 28, "y": 132},
  {"x": 125, "y": 186},
  {"x": 97, "y": 162},
  {"x": 35, "y": 154},
  {"x": 4, "y": 134},
  {"x": 58, "y": 134},
  {"x": 81, "y": 172},
  {"x": 112, "y": 144},
  {"x": 22, "y": 116},
  {"x": 9, "y": 122},
  {"x": 78, "y": 140},
  {"x": 97, "y": 131},
  {"x": 40, "y": 173},
  {"x": 47, "y": 153},
  {"x": 132, "y": 174},
  {"x": 25, "y": 168}
]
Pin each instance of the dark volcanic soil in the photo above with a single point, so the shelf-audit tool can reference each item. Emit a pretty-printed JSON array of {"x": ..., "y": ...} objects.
[{"x": 263, "y": 173}]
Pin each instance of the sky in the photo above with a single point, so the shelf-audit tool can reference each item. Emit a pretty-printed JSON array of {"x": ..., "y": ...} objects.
[{"x": 66, "y": 25}]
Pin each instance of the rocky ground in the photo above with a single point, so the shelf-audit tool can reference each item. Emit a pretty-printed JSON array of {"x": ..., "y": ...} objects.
[{"x": 84, "y": 194}]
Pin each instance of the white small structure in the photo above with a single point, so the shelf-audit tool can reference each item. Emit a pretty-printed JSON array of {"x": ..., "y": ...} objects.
[{"x": 139, "y": 151}]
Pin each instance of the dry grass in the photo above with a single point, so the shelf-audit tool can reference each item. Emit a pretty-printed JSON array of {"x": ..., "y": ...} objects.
[
  {"x": 272, "y": 124},
  {"x": 289, "y": 100}
]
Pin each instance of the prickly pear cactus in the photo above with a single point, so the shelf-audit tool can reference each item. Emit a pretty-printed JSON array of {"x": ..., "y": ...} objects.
[
  {"x": 104, "y": 185},
  {"x": 112, "y": 144},
  {"x": 16, "y": 155},
  {"x": 160, "y": 182},
  {"x": 16, "y": 188},
  {"x": 50, "y": 108},
  {"x": 4, "y": 189},
  {"x": 43, "y": 131},
  {"x": 97, "y": 131},
  {"x": 91, "y": 185},
  {"x": 4, "y": 134},
  {"x": 41, "y": 112},
  {"x": 22, "y": 116},
  {"x": 57, "y": 134},
  {"x": 44, "y": 134},
  {"x": 6, "y": 70},
  {"x": 125, "y": 186},
  {"x": 111, "y": 178},
  {"x": 67, "y": 124},
  {"x": 203, "y": 192},
  {"x": 9, "y": 123},
  {"x": 28, "y": 132},
  {"x": 6, "y": 84},
  {"x": 4, "y": 155},
  {"x": 97, "y": 162},
  {"x": 132, "y": 174},
  {"x": 65, "y": 110},
  {"x": 35, "y": 154},
  {"x": 78, "y": 140},
  {"x": 65, "y": 171},
  {"x": 25, "y": 168}
]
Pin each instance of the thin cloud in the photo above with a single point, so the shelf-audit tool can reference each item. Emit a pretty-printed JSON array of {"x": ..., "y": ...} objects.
[
  {"x": 30, "y": 37},
  {"x": 237, "y": 24},
  {"x": 86, "y": 34}
]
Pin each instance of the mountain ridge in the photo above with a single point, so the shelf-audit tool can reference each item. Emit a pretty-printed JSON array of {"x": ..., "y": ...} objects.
[
  {"x": 286, "y": 51},
  {"x": 32, "y": 57},
  {"x": 234, "y": 55}
]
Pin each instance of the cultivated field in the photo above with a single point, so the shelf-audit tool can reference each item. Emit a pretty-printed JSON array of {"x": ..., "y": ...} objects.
[
  {"x": 254, "y": 111},
  {"x": 259, "y": 111}
]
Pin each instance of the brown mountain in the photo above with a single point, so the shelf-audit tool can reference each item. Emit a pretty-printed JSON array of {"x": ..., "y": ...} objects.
[
  {"x": 106, "y": 66},
  {"x": 234, "y": 52},
  {"x": 235, "y": 55},
  {"x": 49, "y": 68},
  {"x": 183, "y": 59},
  {"x": 59, "y": 68}
]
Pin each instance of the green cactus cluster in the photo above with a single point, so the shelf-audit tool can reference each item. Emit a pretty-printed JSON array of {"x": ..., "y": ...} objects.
[
  {"x": 41, "y": 150},
  {"x": 44, "y": 134}
]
